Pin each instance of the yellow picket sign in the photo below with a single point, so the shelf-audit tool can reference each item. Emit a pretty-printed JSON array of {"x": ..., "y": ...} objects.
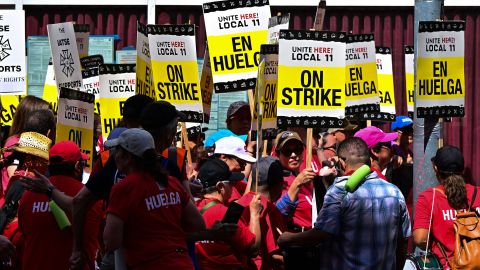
[
  {"x": 91, "y": 85},
  {"x": 385, "y": 81},
  {"x": 440, "y": 86},
  {"x": 117, "y": 84},
  {"x": 311, "y": 78},
  {"x": 267, "y": 83},
  {"x": 175, "y": 68},
  {"x": 144, "y": 75},
  {"x": 82, "y": 36},
  {"x": 75, "y": 121},
  {"x": 50, "y": 93},
  {"x": 440, "y": 78},
  {"x": 235, "y": 31},
  {"x": 409, "y": 77},
  {"x": 361, "y": 88},
  {"x": 206, "y": 86},
  {"x": 9, "y": 107}
]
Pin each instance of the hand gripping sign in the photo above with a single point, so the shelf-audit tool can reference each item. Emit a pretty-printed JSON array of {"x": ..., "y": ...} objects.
[
  {"x": 66, "y": 62},
  {"x": 75, "y": 120},
  {"x": 175, "y": 68},
  {"x": 235, "y": 31},
  {"x": 409, "y": 78},
  {"x": 13, "y": 68},
  {"x": 440, "y": 87},
  {"x": 117, "y": 84},
  {"x": 361, "y": 87},
  {"x": 311, "y": 79},
  {"x": 144, "y": 65}
]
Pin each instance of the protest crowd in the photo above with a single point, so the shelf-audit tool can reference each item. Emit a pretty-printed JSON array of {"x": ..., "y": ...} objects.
[
  {"x": 113, "y": 168},
  {"x": 141, "y": 209}
]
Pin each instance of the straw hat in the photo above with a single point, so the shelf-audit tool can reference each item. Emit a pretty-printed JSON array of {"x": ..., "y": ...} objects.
[{"x": 33, "y": 143}]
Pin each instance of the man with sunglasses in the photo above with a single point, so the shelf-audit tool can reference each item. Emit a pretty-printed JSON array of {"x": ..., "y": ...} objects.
[
  {"x": 379, "y": 146},
  {"x": 296, "y": 202}
]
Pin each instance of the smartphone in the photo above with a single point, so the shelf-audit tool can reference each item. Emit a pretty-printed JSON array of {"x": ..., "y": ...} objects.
[{"x": 233, "y": 214}]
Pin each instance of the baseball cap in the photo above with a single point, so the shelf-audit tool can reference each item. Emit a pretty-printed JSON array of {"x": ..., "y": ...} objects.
[
  {"x": 115, "y": 133},
  {"x": 134, "y": 105},
  {"x": 235, "y": 106},
  {"x": 449, "y": 159},
  {"x": 158, "y": 114},
  {"x": 216, "y": 170},
  {"x": 68, "y": 151},
  {"x": 212, "y": 139},
  {"x": 136, "y": 141},
  {"x": 285, "y": 137},
  {"x": 401, "y": 122},
  {"x": 233, "y": 146},
  {"x": 269, "y": 168},
  {"x": 373, "y": 135},
  {"x": 347, "y": 127}
]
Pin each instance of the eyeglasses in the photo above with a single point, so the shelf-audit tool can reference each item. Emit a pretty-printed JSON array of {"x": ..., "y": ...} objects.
[{"x": 385, "y": 145}]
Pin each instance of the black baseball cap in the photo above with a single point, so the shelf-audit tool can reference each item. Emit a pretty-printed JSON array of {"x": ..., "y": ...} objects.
[
  {"x": 449, "y": 159},
  {"x": 134, "y": 105},
  {"x": 235, "y": 106},
  {"x": 270, "y": 171},
  {"x": 216, "y": 170},
  {"x": 158, "y": 114}
]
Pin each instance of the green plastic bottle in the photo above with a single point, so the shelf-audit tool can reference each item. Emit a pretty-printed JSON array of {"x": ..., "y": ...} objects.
[
  {"x": 59, "y": 215},
  {"x": 357, "y": 177}
]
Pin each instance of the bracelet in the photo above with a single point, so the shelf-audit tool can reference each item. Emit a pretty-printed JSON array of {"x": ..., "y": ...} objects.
[{"x": 50, "y": 191}]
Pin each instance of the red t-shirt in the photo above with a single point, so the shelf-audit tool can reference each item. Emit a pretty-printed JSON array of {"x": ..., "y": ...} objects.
[
  {"x": 153, "y": 237},
  {"x": 442, "y": 220},
  {"x": 213, "y": 255},
  {"x": 46, "y": 246},
  {"x": 302, "y": 216},
  {"x": 238, "y": 189},
  {"x": 270, "y": 220}
]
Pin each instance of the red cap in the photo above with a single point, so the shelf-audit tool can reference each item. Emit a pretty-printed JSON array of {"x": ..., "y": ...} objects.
[{"x": 68, "y": 151}]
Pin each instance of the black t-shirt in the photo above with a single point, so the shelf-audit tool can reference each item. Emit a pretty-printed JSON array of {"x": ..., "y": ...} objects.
[{"x": 101, "y": 183}]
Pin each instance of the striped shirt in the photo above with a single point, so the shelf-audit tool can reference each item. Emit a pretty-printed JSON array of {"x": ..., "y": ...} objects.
[{"x": 366, "y": 224}]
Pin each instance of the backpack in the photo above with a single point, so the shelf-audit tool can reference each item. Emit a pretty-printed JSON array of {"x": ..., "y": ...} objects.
[{"x": 467, "y": 239}]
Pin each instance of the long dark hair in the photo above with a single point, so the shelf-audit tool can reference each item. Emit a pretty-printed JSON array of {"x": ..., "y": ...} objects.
[{"x": 455, "y": 190}]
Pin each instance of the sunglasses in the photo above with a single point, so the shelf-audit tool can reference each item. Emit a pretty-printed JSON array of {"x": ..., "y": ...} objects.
[
  {"x": 288, "y": 151},
  {"x": 386, "y": 145}
]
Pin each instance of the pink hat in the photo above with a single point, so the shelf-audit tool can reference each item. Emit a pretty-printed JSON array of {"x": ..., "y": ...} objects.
[{"x": 373, "y": 135}]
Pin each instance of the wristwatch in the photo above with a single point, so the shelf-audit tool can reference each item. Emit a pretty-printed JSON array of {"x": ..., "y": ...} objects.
[{"x": 50, "y": 191}]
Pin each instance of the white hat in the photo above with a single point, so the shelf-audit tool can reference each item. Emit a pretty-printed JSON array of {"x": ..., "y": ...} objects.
[
  {"x": 233, "y": 146},
  {"x": 136, "y": 141}
]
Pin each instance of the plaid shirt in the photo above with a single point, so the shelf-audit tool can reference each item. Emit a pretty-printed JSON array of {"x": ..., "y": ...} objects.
[{"x": 366, "y": 224}]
